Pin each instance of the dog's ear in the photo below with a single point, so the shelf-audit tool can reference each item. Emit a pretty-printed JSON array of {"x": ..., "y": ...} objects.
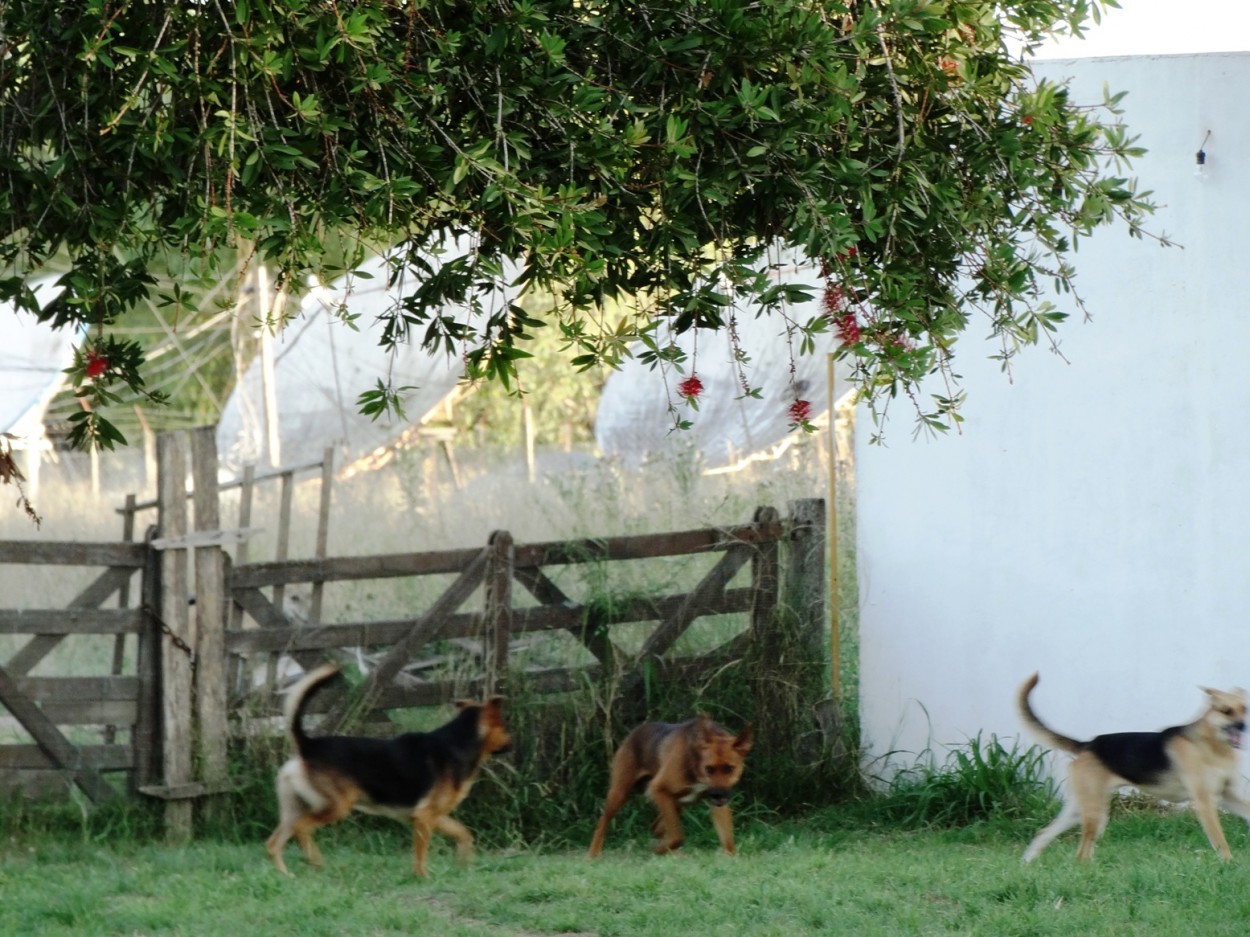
[
  {"x": 702, "y": 729},
  {"x": 745, "y": 739}
]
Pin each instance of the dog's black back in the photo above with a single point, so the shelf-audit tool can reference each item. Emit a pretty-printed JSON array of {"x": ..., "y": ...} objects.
[
  {"x": 398, "y": 772},
  {"x": 1138, "y": 757},
  {"x": 395, "y": 772}
]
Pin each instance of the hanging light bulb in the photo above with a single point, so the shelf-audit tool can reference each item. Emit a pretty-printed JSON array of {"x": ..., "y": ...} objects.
[{"x": 1200, "y": 158}]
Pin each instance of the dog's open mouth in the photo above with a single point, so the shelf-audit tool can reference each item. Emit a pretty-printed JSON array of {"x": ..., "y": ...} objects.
[
  {"x": 1234, "y": 735},
  {"x": 716, "y": 796}
]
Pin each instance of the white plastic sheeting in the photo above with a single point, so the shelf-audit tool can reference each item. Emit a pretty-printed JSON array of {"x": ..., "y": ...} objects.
[
  {"x": 33, "y": 357},
  {"x": 321, "y": 366},
  {"x": 634, "y": 421}
]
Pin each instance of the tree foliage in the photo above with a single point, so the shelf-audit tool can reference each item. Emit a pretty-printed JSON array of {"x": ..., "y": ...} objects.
[{"x": 661, "y": 151}]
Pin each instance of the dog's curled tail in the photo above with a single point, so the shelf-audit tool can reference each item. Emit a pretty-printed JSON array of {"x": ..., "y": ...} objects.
[
  {"x": 298, "y": 696},
  {"x": 1030, "y": 717}
]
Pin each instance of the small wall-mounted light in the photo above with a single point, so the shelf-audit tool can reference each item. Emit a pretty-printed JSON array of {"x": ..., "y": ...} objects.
[{"x": 1200, "y": 158}]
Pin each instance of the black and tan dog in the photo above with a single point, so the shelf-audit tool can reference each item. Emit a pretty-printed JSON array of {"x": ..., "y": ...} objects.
[
  {"x": 1194, "y": 762},
  {"x": 677, "y": 764},
  {"x": 417, "y": 778}
]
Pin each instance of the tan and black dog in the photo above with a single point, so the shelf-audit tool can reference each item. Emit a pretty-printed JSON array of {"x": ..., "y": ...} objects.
[
  {"x": 1194, "y": 762},
  {"x": 417, "y": 778},
  {"x": 677, "y": 764}
]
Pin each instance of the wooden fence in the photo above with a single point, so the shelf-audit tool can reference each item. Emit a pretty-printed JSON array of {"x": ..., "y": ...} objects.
[{"x": 209, "y": 670}]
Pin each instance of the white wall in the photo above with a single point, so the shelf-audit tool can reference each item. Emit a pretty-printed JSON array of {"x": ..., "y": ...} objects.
[{"x": 1092, "y": 521}]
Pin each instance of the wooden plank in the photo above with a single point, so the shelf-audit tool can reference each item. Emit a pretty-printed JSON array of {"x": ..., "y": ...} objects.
[
  {"x": 323, "y": 532},
  {"x": 287, "y": 638},
  {"x": 50, "y": 740},
  {"x": 176, "y": 673},
  {"x": 257, "y": 604},
  {"x": 643, "y": 546},
  {"x": 349, "y": 568},
  {"x": 207, "y": 538},
  {"x": 239, "y": 482},
  {"x": 90, "y": 712},
  {"x": 145, "y": 736},
  {"x": 58, "y": 621},
  {"x": 282, "y": 637},
  {"x": 187, "y": 791},
  {"x": 71, "y": 553},
  {"x": 123, "y": 601},
  {"x": 497, "y": 612},
  {"x": 764, "y": 583},
  {"x": 807, "y": 568},
  {"x": 34, "y": 785},
  {"x": 78, "y": 689},
  {"x": 383, "y": 566},
  {"x": 282, "y": 549},
  {"x": 33, "y": 758},
  {"x": 210, "y": 614}
]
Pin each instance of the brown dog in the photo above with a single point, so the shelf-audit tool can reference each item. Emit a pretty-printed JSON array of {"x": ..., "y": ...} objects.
[
  {"x": 1194, "y": 762},
  {"x": 677, "y": 763},
  {"x": 417, "y": 778}
]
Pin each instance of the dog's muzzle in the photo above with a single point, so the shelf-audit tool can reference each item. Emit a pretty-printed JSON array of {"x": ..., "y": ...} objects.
[
  {"x": 1234, "y": 733},
  {"x": 717, "y": 796}
]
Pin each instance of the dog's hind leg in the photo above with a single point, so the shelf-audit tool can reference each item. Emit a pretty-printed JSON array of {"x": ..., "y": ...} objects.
[
  {"x": 1069, "y": 817},
  {"x": 624, "y": 773},
  {"x": 290, "y": 810},
  {"x": 420, "y": 842}
]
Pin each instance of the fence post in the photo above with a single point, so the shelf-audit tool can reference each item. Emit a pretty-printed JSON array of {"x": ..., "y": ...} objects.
[
  {"x": 146, "y": 737},
  {"x": 764, "y": 569},
  {"x": 323, "y": 531},
  {"x": 769, "y": 674},
  {"x": 497, "y": 614},
  {"x": 240, "y": 677},
  {"x": 210, "y": 615},
  {"x": 176, "y": 672},
  {"x": 806, "y": 568}
]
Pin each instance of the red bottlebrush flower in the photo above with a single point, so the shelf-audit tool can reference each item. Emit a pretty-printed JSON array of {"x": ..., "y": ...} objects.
[
  {"x": 691, "y": 387},
  {"x": 96, "y": 364},
  {"x": 949, "y": 66},
  {"x": 848, "y": 254},
  {"x": 848, "y": 329},
  {"x": 1027, "y": 119},
  {"x": 834, "y": 299},
  {"x": 800, "y": 411}
]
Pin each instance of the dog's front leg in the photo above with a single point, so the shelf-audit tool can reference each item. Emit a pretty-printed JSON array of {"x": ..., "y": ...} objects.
[
  {"x": 1209, "y": 817},
  {"x": 723, "y": 820},
  {"x": 455, "y": 830},
  {"x": 1232, "y": 802},
  {"x": 669, "y": 827}
]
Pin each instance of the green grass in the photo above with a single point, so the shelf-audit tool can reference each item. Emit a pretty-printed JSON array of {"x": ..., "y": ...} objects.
[{"x": 831, "y": 873}]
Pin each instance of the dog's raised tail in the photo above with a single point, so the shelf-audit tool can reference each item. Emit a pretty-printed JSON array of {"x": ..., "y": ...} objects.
[
  {"x": 298, "y": 696},
  {"x": 1036, "y": 724}
]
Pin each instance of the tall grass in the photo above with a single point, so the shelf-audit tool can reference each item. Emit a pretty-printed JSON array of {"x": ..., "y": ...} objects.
[{"x": 979, "y": 781}]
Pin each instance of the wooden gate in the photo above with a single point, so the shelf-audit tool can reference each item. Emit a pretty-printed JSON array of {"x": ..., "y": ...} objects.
[
  {"x": 499, "y": 622},
  {"x": 113, "y": 711}
]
